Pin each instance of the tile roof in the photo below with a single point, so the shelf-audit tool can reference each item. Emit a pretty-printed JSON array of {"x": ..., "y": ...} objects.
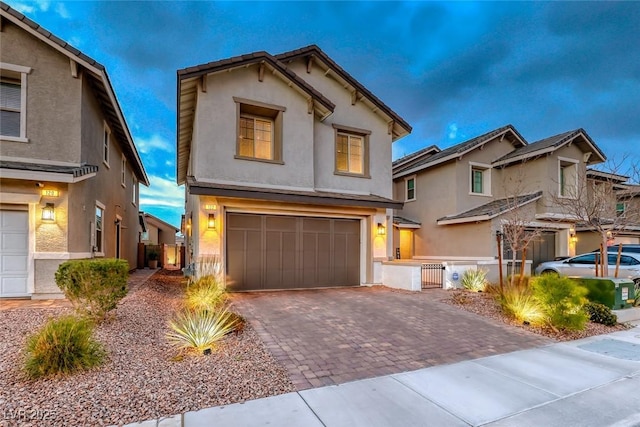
[
  {"x": 493, "y": 208},
  {"x": 317, "y": 52},
  {"x": 408, "y": 157},
  {"x": 398, "y": 220},
  {"x": 455, "y": 150},
  {"x": 548, "y": 144},
  {"x": 301, "y": 196},
  {"x": 75, "y": 171}
]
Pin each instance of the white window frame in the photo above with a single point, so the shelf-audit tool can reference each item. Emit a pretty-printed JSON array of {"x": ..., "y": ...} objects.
[
  {"x": 486, "y": 178},
  {"x": 406, "y": 188},
  {"x": 134, "y": 190},
  {"x": 106, "y": 149},
  {"x": 123, "y": 171},
  {"x": 363, "y": 163},
  {"x": 564, "y": 162},
  {"x": 23, "y": 72},
  {"x": 94, "y": 236},
  {"x": 621, "y": 213}
]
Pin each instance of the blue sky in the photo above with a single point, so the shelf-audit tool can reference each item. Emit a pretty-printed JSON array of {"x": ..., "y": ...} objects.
[{"x": 453, "y": 70}]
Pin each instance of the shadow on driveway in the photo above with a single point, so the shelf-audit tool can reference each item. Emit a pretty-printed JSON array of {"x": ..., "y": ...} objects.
[{"x": 332, "y": 336}]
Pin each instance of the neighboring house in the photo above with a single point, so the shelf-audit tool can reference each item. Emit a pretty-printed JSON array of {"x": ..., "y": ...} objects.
[
  {"x": 619, "y": 202},
  {"x": 157, "y": 231},
  {"x": 457, "y": 199},
  {"x": 287, "y": 166},
  {"x": 69, "y": 171}
]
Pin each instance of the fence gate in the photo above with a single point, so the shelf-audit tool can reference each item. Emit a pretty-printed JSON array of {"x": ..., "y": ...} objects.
[{"x": 432, "y": 276}]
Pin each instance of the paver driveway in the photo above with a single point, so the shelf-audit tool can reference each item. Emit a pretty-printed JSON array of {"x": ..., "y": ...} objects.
[{"x": 332, "y": 336}]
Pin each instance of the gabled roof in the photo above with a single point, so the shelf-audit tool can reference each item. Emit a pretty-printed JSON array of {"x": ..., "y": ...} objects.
[
  {"x": 156, "y": 222},
  {"x": 613, "y": 178},
  {"x": 42, "y": 172},
  {"x": 97, "y": 78},
  {"x": 400, "y": 128},
  {"x": 490, "y": 210},
  {"x": 553, "y": 143},
  {"x": 460, "y": 150},
  {"x": 324, "y": 198},
  {"x": 188, "y": 80},
  {"x": 414, "y": 157}
]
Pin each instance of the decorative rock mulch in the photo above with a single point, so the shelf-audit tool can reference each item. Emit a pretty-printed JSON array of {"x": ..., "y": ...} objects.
[{"x": 142, "y": 379}]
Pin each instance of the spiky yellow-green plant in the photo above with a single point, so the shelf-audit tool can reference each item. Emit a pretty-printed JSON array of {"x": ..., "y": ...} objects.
[
  {"x": 475, "y": 280},
  {"x": 518, "y": 303},
  {"x": 200, "y": 329},
  {"x": 205, "y": 293}
]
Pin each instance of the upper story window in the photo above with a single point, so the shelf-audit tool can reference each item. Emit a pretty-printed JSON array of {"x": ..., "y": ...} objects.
[
  {"x": 123, "y": 171},
  {"x": 480, "y": 183},
  {"x": 13, "y": 102},
  {"x": 410, "y": 188},
  {"x": 620, "y": 208},
  {"x": 106, "y": 135},
  {"x": 352, "y": 151},
  {"x": 259, "y": 131},
  {"x": 568, "y": 178}
]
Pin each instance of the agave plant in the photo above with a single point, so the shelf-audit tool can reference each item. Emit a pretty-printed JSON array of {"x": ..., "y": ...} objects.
[
  {"x": 205, "y": 293},
  {"x": 200, "y": 329},
  {"x": 475, "y": 280}
]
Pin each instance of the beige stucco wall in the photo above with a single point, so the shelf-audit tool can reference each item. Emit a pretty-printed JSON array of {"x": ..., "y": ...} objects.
[
  {"x": 53, "y": 110},
  {"x": 214, "y": 142}
]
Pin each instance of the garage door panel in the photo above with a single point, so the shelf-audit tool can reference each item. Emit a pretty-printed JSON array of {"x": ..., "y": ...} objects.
[
  {"x": 293, "y": 252},
  {"x": 14, "y": 252}
]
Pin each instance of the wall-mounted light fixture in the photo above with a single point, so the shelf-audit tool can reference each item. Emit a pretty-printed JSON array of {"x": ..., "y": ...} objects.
[
  {"x": 572, "y": 235},
  {"x": 381, "y": 229},
  {"x": 49, "y": 212},
  {"x": 211, "y": 222}
]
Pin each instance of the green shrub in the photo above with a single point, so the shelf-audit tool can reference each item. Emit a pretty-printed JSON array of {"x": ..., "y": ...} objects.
[
  {"x": 63, "y": 345},
  {"x": 201, "y": 329},
  {"x": 474, "y": 280},
  {"x": 94, "y": 287},
  {"x": 205, "y": 293},
  {"x": 562, "y": 300},
  {"x": 600, "y": 313},
  {"x": 518, "y": 302}
]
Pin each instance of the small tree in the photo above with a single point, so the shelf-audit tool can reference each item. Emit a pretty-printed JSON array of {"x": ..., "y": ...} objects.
[{"x": 605, "y": 201}]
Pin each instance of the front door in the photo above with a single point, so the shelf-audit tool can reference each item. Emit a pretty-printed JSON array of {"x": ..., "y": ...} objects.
[{"x": 14, "y": 252}]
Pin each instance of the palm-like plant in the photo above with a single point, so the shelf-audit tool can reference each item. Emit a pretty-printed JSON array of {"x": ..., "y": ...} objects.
[{"x": 200, "y": 329}]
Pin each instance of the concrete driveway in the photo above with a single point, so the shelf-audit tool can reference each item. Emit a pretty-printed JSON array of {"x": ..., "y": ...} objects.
[{"x": 332, "y": 336}]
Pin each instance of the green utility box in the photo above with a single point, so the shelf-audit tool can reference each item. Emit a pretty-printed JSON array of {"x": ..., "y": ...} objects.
[{"x": 614, "y": 293}]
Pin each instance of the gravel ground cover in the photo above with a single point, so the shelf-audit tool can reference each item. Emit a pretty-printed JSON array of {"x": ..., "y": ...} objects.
[
  {"x": 485, "y": 305},
  {"x": 141, "y": 378}
]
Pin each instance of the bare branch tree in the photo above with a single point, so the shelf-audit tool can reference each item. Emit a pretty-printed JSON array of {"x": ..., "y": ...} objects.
[{"x": 602, "y": 200}]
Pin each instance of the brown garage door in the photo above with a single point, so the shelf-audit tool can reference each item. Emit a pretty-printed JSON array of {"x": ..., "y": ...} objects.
[{"x": 286, "y": 252}]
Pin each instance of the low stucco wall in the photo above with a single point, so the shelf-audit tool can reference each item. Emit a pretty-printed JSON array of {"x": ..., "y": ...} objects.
[
  {"x": 45, "y": 284},
  {"x": 402, "y": 275}
]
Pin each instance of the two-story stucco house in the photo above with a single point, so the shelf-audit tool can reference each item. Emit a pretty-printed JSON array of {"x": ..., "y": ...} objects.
[
  {"x": 69, "y": 170},
  {"x": 287, "y": 166},
  {"x": 458, "y": 199}
]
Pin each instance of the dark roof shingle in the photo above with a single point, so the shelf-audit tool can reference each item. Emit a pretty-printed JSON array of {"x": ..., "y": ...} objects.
[{"x": 495, "y": 207}]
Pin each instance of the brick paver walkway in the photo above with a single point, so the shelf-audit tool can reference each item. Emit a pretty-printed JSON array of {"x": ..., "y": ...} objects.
[{"x": 332, "y": 336}]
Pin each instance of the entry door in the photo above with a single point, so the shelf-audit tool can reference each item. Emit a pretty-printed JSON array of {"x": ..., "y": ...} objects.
[
  {"x": 14, "y": 253},
  {"x": 288, "y": 252},
  {"x": 118, "y": 237}
]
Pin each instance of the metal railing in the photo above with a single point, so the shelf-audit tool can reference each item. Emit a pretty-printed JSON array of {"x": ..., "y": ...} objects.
[{"x": 432, "y": 276}]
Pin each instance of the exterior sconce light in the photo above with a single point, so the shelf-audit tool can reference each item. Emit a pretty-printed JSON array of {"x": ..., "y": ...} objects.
[
  {"x": 574, "y": 239},
  {"x": 381, "y": 229},
  {"x": 211, "y": 222},
  {"x": 49, "y": 212}
]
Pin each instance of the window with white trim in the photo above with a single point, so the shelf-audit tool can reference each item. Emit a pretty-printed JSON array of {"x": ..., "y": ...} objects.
[
  {"x": 106, "y": 134},
  {"x": 620, "y": 209},
  {"x": 480, "y": 179},
  {"x": 410, "y": 188},
  {"x": 568, "y": 178},
  {"x": 99, "y": 229},
  {"x": 123, "y": 171},
  {"x": 134, "y": 190},
  {"x": 13, "y": 102}
]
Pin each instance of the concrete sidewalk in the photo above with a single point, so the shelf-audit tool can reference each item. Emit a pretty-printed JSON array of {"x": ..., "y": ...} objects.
[{"x": 589, "y": 382}]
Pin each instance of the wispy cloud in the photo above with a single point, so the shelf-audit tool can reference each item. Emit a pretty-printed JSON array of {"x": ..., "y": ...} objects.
[
  {"x": 62, "y": 11},
  {"x": 453, "y": 131},
  {"x": 23, "y": 8},
  {"x": 163, "y": 192},
  {"x": 153, "y": 143}
]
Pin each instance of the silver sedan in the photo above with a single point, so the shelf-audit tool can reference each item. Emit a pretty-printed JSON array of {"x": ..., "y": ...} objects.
[{"x": 585, "y": 266}]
